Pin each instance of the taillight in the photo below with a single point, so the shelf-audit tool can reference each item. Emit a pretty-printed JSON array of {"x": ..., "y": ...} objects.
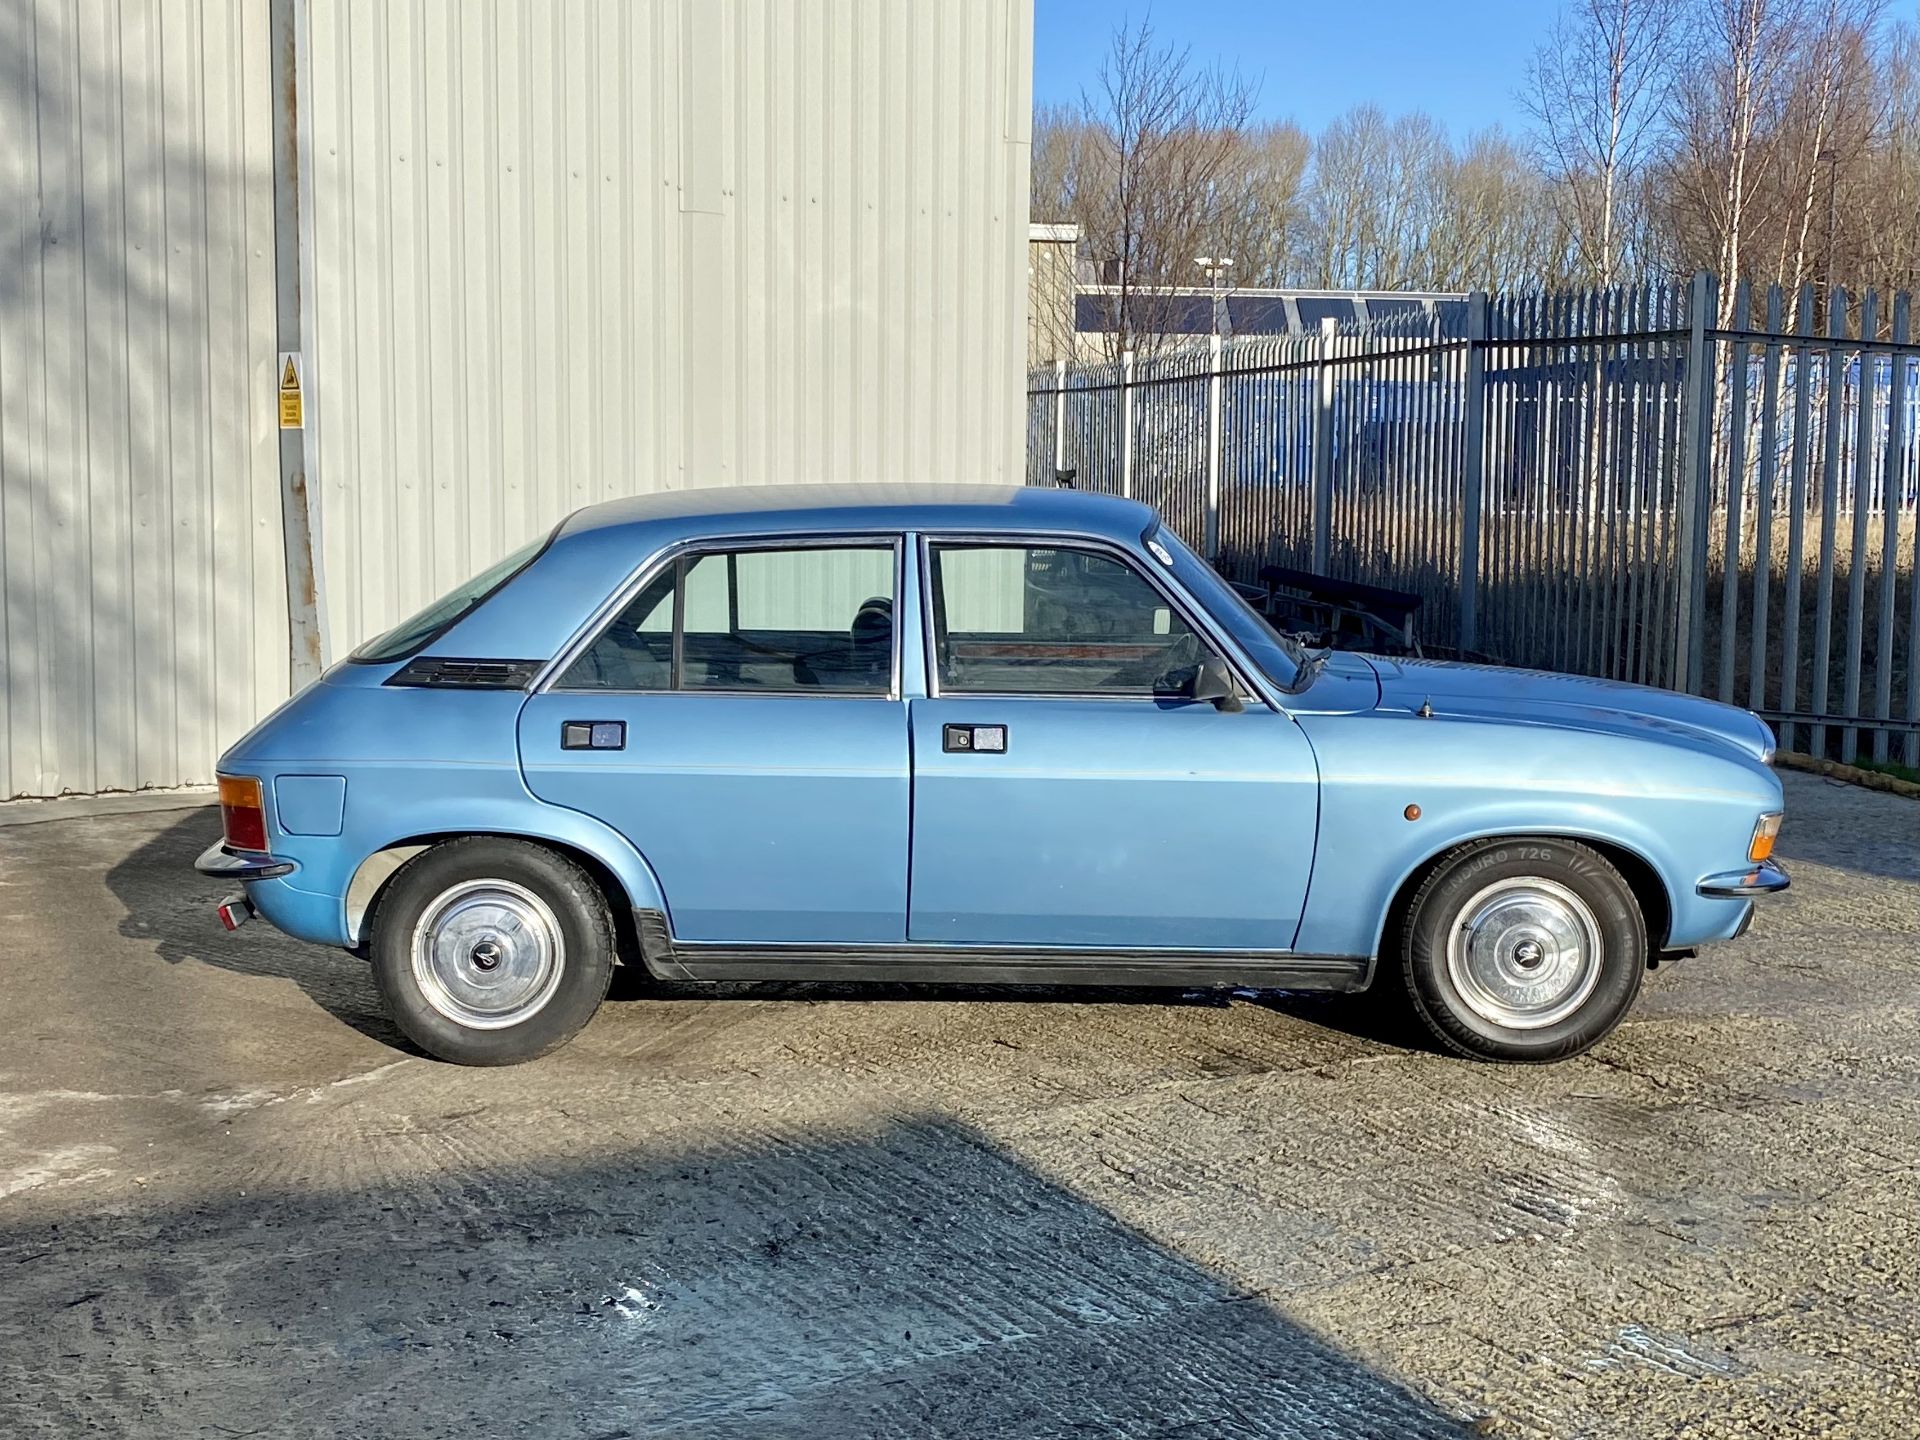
[
  {"x": 1764, "y": 832},
  {"x": 242, "y": 815}
]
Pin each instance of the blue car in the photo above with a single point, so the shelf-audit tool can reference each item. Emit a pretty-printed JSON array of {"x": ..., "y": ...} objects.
[{"x": 978, "y": 734}]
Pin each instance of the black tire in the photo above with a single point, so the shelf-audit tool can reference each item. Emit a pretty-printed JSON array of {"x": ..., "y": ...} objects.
[
  {"x": 533, "y": 928},
  {"x": 1504, "y": 904}
]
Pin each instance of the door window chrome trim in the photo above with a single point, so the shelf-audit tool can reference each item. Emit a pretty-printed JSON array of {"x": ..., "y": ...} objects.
[
  {"x": 650, "y": 569},
  {"x": 1181, "y": 604}
]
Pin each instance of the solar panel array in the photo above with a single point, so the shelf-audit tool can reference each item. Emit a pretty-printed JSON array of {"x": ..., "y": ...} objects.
[{"x": 1252, "y": 312}]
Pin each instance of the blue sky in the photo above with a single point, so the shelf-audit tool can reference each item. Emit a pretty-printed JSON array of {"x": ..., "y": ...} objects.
[{"x": 1459, "y": 60}]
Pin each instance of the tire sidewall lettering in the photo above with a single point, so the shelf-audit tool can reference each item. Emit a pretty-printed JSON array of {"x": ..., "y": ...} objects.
[{"x": 1439, "y": 905}]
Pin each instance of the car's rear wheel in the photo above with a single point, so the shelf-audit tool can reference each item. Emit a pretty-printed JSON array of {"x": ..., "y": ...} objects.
[
  {"x": 491, "y": 951},
  {"x": 1523, "y": 949}
]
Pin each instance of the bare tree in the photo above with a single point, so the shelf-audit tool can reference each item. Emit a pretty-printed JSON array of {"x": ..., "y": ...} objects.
[
  {"x": 1060, "y": 136},
  {"x": 1890, "y": 242},
  {"x": 1596, "y": 89},
  {"x": 1263, "y": 204},
  {"x": 1061, "y": 140},
  {"x": 1493, "y": 224},
  {"x": 1752, "y": 35},
  {"x": 1725, "y": 123},
  {"x": 1827, "y": 125},
  {"x": 1166, "y": 140},
  {"x": 1370, "y": 200}
]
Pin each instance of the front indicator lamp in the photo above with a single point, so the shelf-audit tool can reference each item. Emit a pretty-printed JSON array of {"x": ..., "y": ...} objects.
[{"x": 1765, "y": 829}]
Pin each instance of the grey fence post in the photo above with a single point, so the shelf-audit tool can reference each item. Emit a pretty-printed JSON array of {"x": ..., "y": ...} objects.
[
  {"x": 1212, "y": 538},
  {"x": 1695, "y": 498},
  {"x": 1323, "y": 453},
  {"x": 1473, "y": 476},
  {"x": 1126, "y": 424},
  {"x": 1059, "y": 420}
]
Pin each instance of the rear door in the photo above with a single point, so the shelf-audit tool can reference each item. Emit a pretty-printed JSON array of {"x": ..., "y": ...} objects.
[
  {"x": 1064, "y": 792},
  {"x": 740, "y": 722}
]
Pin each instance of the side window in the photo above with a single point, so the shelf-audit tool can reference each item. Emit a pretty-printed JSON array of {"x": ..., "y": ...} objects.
[
  {"x": 806, "y": 619},
  {"x": 1042, "y": 619},
  {"x": 634, "y": 652}
]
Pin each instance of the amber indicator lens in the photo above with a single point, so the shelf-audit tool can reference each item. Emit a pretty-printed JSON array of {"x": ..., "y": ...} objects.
[
  {"x": 1764, "y": 831},
  {"x": 242, "y": 815}
]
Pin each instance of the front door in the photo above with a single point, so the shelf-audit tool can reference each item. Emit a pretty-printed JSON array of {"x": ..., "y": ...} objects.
[
  {"x": 740, "y": 722},
  {"x": 1065, "y": 794}
]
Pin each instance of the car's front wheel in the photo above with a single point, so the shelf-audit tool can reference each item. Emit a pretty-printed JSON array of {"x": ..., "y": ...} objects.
[
  {"x": 1523, "y": 949},
  {"x": 491, "y": 951}
]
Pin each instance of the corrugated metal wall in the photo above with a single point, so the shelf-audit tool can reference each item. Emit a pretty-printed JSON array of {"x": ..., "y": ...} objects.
[
  {"x": 566, "y": 252},
  {"x": 554, "y": 253},
  {"x": 139, "y": 485}
]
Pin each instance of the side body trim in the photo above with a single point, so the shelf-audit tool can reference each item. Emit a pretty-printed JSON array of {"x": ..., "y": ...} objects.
[{"x": 992, "y": 964}]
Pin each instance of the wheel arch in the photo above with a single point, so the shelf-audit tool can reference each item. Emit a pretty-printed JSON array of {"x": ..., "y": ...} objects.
[
  {"x": 1640, "y": 873},
  {"x": 625, "y": 886}
]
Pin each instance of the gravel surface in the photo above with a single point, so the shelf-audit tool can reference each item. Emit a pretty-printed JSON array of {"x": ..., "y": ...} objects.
[{"x": 232, "y": 1203}]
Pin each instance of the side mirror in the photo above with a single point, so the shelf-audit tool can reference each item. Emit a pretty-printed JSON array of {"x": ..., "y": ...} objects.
[{"x": 1213, "y": 682}]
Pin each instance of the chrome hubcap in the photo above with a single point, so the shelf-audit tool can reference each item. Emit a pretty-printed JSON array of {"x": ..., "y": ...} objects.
[
  {"x": 488, "y": 954},
  {"x": 1525, "y": 953}
]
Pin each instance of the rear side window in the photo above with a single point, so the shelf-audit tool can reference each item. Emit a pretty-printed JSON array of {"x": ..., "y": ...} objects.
[
  {"x": 409, "y": 635},
  {"x": 798, "y": 621}
]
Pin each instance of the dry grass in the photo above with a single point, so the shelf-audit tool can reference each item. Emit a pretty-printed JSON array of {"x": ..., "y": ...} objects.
[{"x": 1782, "y": 690}]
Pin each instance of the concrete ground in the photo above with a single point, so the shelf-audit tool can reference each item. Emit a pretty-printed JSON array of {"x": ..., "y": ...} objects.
[{"x": 232, "y": 1204}]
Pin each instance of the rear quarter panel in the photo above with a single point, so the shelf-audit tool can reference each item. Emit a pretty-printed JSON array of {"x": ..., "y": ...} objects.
[
  {"x": 415, "y": 762},
  {"x": 1686, "y": 809}
]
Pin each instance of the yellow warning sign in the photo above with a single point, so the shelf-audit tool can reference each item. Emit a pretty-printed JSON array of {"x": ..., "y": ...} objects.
[{"x": 292, "y": 410}]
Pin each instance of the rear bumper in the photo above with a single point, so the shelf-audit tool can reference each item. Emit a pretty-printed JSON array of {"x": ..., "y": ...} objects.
[
  {"x": 224, "y": 864},
  {"x": 1766, "y": 878},
  {"x": 269, "y": 893}
]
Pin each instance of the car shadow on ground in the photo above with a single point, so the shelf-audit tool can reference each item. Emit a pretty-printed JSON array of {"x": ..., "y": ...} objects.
[
  {"x": 171, "y": 907},
  {"x": 908, "y": 1278},
  {"x": 1362, "y": 1016}
]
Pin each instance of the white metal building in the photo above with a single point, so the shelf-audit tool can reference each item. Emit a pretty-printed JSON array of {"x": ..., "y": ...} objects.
[{"x": 526, "y": 256}]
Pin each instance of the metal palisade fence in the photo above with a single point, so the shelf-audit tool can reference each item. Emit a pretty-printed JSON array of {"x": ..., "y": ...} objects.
[{"x": 1638, "y": 483}]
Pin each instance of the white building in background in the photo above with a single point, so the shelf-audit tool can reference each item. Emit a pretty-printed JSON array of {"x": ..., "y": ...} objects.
[
  {"x": 1053, "y": 279},
  {"x": 544, "y": 255}
]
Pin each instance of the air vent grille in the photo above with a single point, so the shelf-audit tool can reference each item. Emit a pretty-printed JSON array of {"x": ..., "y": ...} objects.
[{"x": 457, "y": 674}]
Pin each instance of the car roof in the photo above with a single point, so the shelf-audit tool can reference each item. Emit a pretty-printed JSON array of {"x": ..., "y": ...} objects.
[{"x": 803, "y": 509}]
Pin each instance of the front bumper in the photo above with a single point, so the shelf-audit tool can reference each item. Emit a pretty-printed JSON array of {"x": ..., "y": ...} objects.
[
  {"x": 224, "y": 864},
  {"x": 1766, "y": 878}
]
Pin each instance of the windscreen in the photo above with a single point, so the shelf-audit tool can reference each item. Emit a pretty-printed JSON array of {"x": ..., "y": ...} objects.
[{"x": 1278, "y": 656}]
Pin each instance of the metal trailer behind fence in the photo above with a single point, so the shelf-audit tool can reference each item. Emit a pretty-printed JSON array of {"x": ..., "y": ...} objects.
[{"x": 1642, "y": 483}]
